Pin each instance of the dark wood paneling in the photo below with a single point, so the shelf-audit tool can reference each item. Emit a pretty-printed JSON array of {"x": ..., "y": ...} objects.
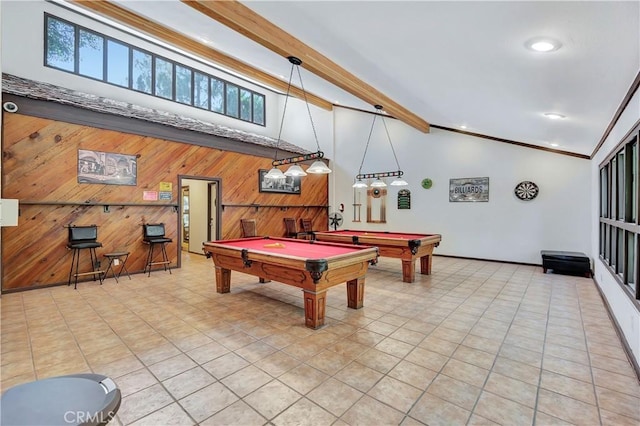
[{"x": 39, "y": 167}]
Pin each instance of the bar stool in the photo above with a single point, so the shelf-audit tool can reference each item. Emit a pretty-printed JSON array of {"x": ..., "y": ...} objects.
[
  {"x": 80, "y": 238},
  {"x": 154, "y": 234}
]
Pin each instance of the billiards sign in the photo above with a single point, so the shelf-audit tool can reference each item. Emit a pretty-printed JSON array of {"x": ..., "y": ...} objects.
[{"x": 469, "y": 189}]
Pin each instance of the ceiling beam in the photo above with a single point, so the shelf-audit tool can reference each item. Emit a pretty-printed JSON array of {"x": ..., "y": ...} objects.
[
  {"x": 160, "y": 32},
  {"x": 248, "y": 23}
]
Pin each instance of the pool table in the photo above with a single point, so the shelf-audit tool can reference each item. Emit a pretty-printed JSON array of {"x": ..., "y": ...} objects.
[
  {"x": 311, "y": 265},
  {"x": 406, "y": 246}
]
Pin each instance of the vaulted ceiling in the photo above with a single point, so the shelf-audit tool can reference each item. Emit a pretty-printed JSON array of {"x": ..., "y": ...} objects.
[{"x": 440, "y": 63}]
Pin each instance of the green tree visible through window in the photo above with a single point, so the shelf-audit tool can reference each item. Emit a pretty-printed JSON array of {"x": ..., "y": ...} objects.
[
  {"x": 217, "y": 96},
  {"x": 79, "y": 50},
  {"x": 61, "y": 44},
  {"x": 164, "y": 78},
  {"x": 232, "y": 100},
  {"x": 201, "y": 90},
  {"x": 245, "y": 105},
  {"x": 258, "y": 109},
  {"x": 183, "y": 84},
  {"x": 142, "y": 71},
  {"x": 91, "y": 55}
]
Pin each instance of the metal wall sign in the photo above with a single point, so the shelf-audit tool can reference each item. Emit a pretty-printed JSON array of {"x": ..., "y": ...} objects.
[
  {"x": 469, "y": 189},
  {"x": 404, "y": 199}
]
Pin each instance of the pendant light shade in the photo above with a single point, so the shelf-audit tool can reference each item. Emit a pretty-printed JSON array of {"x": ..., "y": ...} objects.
[
  {"x": 359, "y": 184},
  {"x": 275, "y": 174},
  {"x": 378, "y": 183},
  {"x": 399, "y": 182},
  {"x": 318, "y": 167},
  {"x": 295, "y": 170}
]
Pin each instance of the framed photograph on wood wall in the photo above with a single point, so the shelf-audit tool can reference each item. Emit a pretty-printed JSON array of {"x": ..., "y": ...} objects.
[
  {"x": 107, "y": 168},
  {"x": 289, "y": 185}
]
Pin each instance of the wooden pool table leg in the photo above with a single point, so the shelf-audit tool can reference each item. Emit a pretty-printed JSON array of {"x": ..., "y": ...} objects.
[
  {"x": 314, "y": 308},
  {"x": 425, "y": 265},
  {"x": 408, "y": 270},
  {"x": 355, "y": 293},
  {"x": 223, "y": 280}
]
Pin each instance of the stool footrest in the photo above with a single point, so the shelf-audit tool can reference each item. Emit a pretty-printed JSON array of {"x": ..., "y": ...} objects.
[{"x": 88, "y": 273}]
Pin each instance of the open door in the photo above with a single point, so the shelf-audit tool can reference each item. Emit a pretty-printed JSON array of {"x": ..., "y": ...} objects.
[{"x": 204, "y": 211}]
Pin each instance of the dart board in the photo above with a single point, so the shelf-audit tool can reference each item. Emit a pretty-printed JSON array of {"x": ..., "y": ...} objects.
[{"x": 526, "y": 191}]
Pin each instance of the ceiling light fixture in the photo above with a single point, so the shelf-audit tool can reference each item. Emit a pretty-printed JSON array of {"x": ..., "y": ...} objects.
[
  {"x": 318, "y": 167},
  {"x": 554, "y": 116},
  {"x": 543, "y": 44},
  {"x": 379, "y": 183}
]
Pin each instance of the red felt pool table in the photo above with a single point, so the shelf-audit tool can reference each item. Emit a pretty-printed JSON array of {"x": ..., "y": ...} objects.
[
  {"x": 405, "y": 246},
  {"x": 311, "y": 265}
]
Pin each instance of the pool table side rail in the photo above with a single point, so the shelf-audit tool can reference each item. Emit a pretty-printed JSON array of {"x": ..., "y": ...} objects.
[
  {"x": 374, "y": 240},
  {"x": 364, "y": 252}
]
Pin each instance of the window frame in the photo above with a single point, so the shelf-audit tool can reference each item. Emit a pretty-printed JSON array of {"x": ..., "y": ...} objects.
[
  {"x": 619, "y": 213},
  {"x": 154, "y": 57}
]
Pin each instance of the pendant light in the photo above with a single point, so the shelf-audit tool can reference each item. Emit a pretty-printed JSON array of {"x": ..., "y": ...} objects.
[
  {"x": 318, "y": 167},
  {"x": 378, "y": 182}
]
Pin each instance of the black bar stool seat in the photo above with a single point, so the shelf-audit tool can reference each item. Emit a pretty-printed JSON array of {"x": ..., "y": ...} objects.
[{"x": 154, "y": 234}]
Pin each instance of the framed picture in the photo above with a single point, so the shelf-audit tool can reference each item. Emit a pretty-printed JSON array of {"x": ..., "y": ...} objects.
[
  {"x": 289, "y": 185},
  {"x": 107, "y": 168},
  {"x": 469, "y": 189}
]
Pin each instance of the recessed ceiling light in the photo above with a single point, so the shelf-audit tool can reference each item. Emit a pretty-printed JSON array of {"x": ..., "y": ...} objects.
[
  {"x": 543, "y": 44},
  {"x": 553, "y": 144},
  {"x": 463, "y": 126},
  {"x": 554, "y": 116}
]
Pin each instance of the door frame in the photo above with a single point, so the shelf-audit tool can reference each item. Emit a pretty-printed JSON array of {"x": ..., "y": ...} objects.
[{"x": 218, "y": 209}]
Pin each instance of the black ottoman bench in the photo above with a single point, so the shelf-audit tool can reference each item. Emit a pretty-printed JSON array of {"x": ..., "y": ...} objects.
[{"x": 566, "y": 262}]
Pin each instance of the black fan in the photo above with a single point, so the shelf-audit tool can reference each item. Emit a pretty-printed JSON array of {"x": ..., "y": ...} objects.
[{"x": 335, "y": 220}]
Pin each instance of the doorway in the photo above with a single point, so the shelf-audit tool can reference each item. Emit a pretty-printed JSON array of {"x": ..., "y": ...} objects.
[{"x": 202, "y": 220}]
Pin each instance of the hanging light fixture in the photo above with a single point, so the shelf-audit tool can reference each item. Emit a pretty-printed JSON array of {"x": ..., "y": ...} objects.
[
  {"x": 378, "y": 182},
  {"x": 318, "y": 167}
]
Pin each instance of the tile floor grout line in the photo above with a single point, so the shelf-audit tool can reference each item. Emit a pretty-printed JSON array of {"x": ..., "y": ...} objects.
[
  {"x": 88, "y": 301},
  {"x": 460, "y": 287},
  {"x": 450, "y": 357}
]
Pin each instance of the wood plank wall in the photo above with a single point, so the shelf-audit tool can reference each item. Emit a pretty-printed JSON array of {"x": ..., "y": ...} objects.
[{"x": 39, "y": 167}]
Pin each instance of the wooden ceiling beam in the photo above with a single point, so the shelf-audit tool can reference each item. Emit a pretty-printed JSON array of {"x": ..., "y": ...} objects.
[
  {"x": 248, "y": 23},
  {"x": 160, "y": 32}
]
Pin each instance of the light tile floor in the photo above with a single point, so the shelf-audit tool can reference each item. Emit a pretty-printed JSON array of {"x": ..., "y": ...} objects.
[{"x": 474, "y": 343}]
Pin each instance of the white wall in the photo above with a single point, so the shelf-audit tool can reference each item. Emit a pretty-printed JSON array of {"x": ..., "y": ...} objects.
[
  {"x": 622, "y": 308},
  {"x": 505, "y": 228}
]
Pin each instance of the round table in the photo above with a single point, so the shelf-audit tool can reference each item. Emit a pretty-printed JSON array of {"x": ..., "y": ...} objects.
[
  {"x": 115, "y": 258},
  {"x": 78, "y": 399}
]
